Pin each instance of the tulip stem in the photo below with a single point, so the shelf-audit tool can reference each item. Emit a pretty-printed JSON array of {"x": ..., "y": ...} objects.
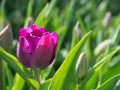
[{"x": 37, "y": 76}]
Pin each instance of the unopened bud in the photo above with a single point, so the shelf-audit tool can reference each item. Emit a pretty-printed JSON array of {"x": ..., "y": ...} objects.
[
  {"x": 6, "y": 37},
  {"x": 75, "y": 35},
  {"x": 107, "y": 18},
  {"x": 102, "y": 46},
  {"x": 29, "y": 21},
  {"x": 82, "y": 66}
]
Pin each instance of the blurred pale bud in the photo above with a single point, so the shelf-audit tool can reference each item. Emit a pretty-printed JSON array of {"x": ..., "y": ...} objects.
[
  {"x": 102, "y": 46},
  {"x": 107, "y": 18},
  {"x": 6, "y": 37},
  {"x": 29, "y": 22},
  {"x": 76, "y": 33},
  {"x": 64, "y": 52},
  {"x": 79, "y": 33},
  {"x": 81, "y": 66}
]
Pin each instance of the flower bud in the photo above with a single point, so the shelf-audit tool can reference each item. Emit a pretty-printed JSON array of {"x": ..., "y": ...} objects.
[
  {"x": 75, "y": 35},
  {"x": 29, "y": 21},
  {"x": 102, "y": 46},
  {"x": 6, "y": 37},
  {"x": 107, "y": 18},
  {"x": 81, "y": 66},
  {"x": 36, "y": 47}
]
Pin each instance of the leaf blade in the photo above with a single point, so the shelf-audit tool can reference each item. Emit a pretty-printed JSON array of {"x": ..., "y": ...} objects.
[
  {"x": 68, "y": 67},
  {"x": 13, "y": 62}
]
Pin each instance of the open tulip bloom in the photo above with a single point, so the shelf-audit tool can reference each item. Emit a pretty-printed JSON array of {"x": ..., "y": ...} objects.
[{"x": 36, "y": 47}]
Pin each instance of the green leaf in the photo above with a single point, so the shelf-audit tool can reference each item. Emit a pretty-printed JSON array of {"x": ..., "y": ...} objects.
[
  {"x": 51, "y": 6},
  {"x": 116, "y": 38},
  {"x": 69, "y": 12},
  {"x": 82, "y": 25},
  {"x": 29, "y": 8},
  {"x": 117, "y": 86},
  {"x": 64, "y": 29},
  {"x": 65, "y": 77},
  {"x": 43, "y": 17},
  {"x": 18, "y": 82},
  {"x": 40, "y": 21},
  {"x": 109, "y": 84},
  {"x": 16, "y": 65},
  {"x": 102, "y": 8},
  {"x": 9, "y": 77},
  {"x": 45, "y": 84},
  {"x": 92, "y": 76},
  {"x": 98, "y": 65},
  {"x": 112, "y": 70},
  {"x": 92, "y": 79},
  {"x": 61, "y": 32},
  {"x": 75, "y": 34},
  {"x": 3, "y": 18}
]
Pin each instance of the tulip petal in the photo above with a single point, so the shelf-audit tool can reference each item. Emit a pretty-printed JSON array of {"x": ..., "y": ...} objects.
[
  {"x": 24, "y": 31},
  {"x": 24, "y": 52},
  {"x": 32, "y": 40},
  {"x": 37, "y": 31},
  {"x": 43, "y": 52},
  {"x": 36, "y": 46},
  {"x": 55, "y": 39}
]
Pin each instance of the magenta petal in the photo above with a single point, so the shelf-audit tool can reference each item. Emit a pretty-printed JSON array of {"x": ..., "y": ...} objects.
[
  {"x": 37, "y": 31},
  {"x": 33, "y": 41},
  {"x": 36, "y": 47},
  {"x": 24, "y": 52},
  {"x": 53, "y": 56},
  {"x": 35, "y": 27},
  {"x": 24, "y": 31},
  {"x": 43, "y": 51},
  {"x": 55, "y": 37}
]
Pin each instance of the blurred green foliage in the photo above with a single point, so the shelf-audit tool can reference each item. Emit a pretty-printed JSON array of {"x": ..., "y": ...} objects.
[{"x": 71, "y": 19}]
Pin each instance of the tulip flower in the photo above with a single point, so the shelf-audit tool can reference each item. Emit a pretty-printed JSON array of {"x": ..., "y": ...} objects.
[{"x": 36, "y": 47}]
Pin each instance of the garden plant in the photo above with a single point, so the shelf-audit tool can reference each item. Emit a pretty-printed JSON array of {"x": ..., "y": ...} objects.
[{"x": 59, "y": 45}]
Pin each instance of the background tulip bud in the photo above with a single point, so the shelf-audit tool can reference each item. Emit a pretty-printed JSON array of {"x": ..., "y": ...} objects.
[
  {"x": 107, "y": 18},
  {"x": 102, "y": 46},
  {"x": 81, "y": 66},
  {"x": 29, "y": 21},
  {"x": 6, "y": 37},
  {"x": 36, "y": 47}
]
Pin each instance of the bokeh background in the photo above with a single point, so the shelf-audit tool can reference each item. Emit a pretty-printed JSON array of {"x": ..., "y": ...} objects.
[{"x": 71, "y": 19}]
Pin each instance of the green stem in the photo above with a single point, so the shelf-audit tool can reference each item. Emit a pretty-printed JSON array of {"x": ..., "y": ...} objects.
[
  {"x": 37, "y": 76},
  {"x": 1, "y": 84}
]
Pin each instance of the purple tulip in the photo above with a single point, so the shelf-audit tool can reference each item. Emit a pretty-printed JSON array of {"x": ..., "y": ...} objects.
[{"x": 36, "y": 47}]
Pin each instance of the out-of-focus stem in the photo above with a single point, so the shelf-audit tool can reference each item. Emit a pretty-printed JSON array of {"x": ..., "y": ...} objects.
[
  {"x": 37, "y": 76},
  {"x": 1, "y": 81}
]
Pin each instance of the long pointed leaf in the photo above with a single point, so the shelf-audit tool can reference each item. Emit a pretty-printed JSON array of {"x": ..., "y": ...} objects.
[
  {"x": 104, "y": 60},
  {"x": 41, "y": 17},
  {"x": 109, "y": 84},
  {"x": 13, "y": 62},
  {"x": 65, "y": 78}
]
